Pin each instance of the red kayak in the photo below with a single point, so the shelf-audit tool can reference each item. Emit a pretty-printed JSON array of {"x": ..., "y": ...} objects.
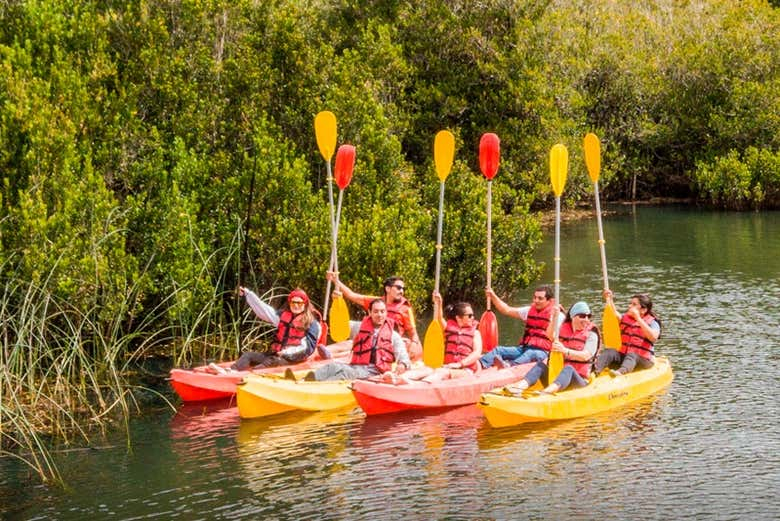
[
  {"x": 376, "y": 397},
  {"x": 201, "y": 384}
]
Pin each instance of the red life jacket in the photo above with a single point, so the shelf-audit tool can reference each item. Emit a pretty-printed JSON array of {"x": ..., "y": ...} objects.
[
  {"x": 575, "y": 340},
  {"x": 633, "y": 339},
  {"x": 381, "y": 354},
  {"x": 289, "y": 332},
  {"x": 396, "y": 311},
  {"x": 459, "y": 343},
  {"x": 536, "y": 327}
]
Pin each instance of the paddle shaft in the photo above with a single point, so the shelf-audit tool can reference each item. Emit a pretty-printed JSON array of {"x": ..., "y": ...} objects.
[
  {"x": 557, "y": 262},
  {"x": 332, "y": 241},
  {"x": 438, "y": 236},
  {"x": 489, "y": 237},
  {"x": 601, "y": 237}
]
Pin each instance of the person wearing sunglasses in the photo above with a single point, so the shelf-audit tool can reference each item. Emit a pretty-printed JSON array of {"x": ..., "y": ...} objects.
[
  {"x": 462, "y": 344},
  {"x": 377, "y": 348},
  {"x": 640, "y": 329},
  {"x": 399, "y": 310},
  {"x": 536, "y": 342},
  {"x": 578, "y": 341},
  {"x": 297, "y": 333}
]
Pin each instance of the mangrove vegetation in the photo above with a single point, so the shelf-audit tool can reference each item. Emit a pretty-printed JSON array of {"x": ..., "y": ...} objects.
[{"x": 156, "y": 154}]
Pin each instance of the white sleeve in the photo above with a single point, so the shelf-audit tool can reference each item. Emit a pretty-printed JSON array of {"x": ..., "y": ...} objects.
[
  {"x": 263, "y": 311},
  {"x": 592, "y": 343},
  {"x": 399, "y": 350}
]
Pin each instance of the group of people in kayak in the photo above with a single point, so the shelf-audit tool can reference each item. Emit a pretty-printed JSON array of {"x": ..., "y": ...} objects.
[{"x": 386, "y": 346}]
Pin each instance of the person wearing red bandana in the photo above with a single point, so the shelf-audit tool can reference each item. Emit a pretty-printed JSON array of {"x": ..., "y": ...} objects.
[{"x": 297, "y": 332}]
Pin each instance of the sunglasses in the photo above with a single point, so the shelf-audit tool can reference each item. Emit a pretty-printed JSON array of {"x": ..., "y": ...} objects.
[
  {"x": 297, "y": 302},
  {"x": 399, "y": 287},
  {"x": 582, "y": 315}
]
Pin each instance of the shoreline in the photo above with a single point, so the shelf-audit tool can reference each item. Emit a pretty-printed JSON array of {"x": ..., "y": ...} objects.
[{"x": 585, "y": 211}]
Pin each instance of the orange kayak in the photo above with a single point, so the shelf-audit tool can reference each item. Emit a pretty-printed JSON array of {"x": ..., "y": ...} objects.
[{"x": 201, "y": 384}]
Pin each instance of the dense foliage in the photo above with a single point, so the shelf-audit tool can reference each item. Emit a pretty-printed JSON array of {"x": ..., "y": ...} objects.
[{"x": 155, "y": 154}]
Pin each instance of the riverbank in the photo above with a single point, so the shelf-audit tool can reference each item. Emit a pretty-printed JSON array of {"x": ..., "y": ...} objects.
[{"x": 586, "y": 211}]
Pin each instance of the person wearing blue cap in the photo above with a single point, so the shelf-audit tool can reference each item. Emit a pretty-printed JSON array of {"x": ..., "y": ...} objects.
[{"x": 579, "y": 341}]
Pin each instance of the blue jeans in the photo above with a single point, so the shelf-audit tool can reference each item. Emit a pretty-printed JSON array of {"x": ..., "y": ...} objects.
[
  {"x": 505, "y": 352},
  {"x": 570, "y": 378},
  {"x": 536, "y": 372},
  {"x": 515, "y": 355},
  {"x": 531, "y": 354}
]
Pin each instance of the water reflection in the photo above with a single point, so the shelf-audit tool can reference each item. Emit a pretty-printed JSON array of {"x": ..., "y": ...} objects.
[{"x": 705, "y": 448}]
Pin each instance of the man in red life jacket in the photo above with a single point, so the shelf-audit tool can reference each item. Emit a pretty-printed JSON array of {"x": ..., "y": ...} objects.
[
  {"x": 376, "y": 345},
  {"x": 536, "y": 342},
  {"x": 398, "y": 310},
  {"x": 639, "y": 330}
]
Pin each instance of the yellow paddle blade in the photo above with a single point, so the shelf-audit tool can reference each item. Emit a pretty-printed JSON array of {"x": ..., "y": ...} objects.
[
  {"x": 339, "y": 320},
  {"x": 611, "y": 325},
  {"x": 443, "y": 153},
  {"x": 325, "y": 131},
  {"x": 554, "y": 366},
  {"x": 433, "y": 345},
  {"x": 592, "y": 148},
  {"x": 559, "y": 166}
]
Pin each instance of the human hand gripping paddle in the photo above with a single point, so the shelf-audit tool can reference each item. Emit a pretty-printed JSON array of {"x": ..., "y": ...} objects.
[
  {"x": 325, "y": 132},
  {"x": 339, "y": 314},
  {"x": 489, "y": 153},
  {"x": 559, "y": 164},
  {"x": 443, "y": 154},
  {"x": 609, "y": 320}
]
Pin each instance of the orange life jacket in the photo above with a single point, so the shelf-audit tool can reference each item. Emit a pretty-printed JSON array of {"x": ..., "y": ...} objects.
[
  {"x": 575, "y": 340},
  {"x": 536, "y": 327},
  {"x": 633, "y": 339},
  {"x": 396, "y": 311},
  {"x": 289, "y": 331},
  {"x": 380, "y": 353},
  {"x": 459, "y": 343}
]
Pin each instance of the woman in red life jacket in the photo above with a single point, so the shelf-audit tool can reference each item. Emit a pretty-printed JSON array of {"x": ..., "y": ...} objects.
[
  {"x": 462, "y": 344},
  {"x": 297, "y": 332},
  {"x": 639, "y": 330},
  {"x": 578, "y": 340}
]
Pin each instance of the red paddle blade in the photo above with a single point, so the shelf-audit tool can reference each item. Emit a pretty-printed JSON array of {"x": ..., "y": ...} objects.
[
  {"x": 489, "y": 152},
  {"x": 345, "y": 163},
  {"x": 488, "y": 329}
]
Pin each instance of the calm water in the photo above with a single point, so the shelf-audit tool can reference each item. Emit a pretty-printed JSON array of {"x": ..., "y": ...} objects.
[{"x": 706, "y": 448}]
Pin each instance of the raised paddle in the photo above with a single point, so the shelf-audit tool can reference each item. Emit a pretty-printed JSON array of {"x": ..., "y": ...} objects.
[
  {"x": 339, "y": 314},
  {"x": 559, "y": 164},
  {"x": 325, "y": 132},
  {"x": 443, "y": 154},
  {"x": 609, "y": 319},
  {"x": 489, "y": 154}
]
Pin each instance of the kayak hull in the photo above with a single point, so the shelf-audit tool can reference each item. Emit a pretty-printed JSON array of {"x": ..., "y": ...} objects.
[
  {"x": 382, "y": 398},
  {"x": 199, "y": 384},
  {"x": 604, "y": 393},
  {"x": 264, "y": 395}
]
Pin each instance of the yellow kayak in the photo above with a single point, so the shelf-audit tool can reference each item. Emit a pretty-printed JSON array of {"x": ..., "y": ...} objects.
[
  {"x": 264, "y": 395},
  {"x": 603, "y": 393}
]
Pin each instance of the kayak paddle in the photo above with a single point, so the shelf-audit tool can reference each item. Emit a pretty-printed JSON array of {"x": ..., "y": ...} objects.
[
  {"x": 489, "y": 153},
  {"x": 339, "y": 314},
  {"x": 325, "y": 132},
  {"x": 609, "y": 320},
  {"x": 443, "y": 153},
  {"x": 559, "y": 164}
]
